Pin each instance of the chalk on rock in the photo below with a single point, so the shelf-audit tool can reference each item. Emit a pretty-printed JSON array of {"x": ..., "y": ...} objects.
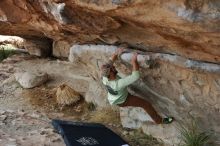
[
  {"x": 30, "y": 79},
  {"x": 85, "y": 51}
]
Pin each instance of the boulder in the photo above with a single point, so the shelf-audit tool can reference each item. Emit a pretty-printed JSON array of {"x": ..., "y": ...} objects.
[
  {"x": 133, "y": 117},
  {"x": 30, "y": 79},
  {"x": 136, "y": 117},
  {"x": 96, "y": 95},
  {"x": 61, "y": 49},
  {"x": 167, "y": 132}
]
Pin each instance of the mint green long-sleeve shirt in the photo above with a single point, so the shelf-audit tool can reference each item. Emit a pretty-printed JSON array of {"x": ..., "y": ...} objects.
[{"x": 117, "y": 89}]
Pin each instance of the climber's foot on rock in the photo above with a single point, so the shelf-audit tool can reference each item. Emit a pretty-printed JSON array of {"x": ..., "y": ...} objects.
[{"x": 167, "y": 120}]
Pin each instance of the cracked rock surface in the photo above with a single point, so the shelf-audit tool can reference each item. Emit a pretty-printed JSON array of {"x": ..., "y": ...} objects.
[{"x": 189, "y": 28}]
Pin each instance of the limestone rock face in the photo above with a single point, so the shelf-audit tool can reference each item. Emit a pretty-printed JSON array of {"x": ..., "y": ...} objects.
[
  {"x": 173, "y": 90},
  {"x": 61, "y": 48},
  {"x": 30, "y": 80},
  {"x": 189, "y": 28},
  {"x": 186, "y": 32},
  {"x": 96, "y": 95}
]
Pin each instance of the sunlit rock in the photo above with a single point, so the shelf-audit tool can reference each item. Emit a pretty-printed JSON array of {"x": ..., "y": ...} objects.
[{"x": 30, "y": 80}]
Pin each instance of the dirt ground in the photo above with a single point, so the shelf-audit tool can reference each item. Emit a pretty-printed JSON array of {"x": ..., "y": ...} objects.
[{"x": 26, "y": 114}]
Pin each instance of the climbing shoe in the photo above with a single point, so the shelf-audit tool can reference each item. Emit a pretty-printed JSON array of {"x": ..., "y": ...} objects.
[{"x": 167, "y": 120}]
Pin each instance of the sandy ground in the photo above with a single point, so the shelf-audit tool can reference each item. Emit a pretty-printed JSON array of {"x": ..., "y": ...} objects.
[{"x": 26, "y": 114}]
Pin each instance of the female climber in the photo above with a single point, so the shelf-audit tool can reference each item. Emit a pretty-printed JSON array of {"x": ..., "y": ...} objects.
[{"x": 117, "y": 88}]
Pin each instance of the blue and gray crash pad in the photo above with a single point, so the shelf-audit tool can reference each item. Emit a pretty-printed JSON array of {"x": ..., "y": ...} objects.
[{"x": 87, "y": 134}]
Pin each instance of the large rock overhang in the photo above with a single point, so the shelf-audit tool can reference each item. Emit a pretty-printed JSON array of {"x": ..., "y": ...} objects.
[{"x": 186, "y": 28}]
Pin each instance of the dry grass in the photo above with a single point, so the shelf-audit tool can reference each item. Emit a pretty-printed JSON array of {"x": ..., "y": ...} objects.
[
  {"x": 138, "y": 138},
  {"x": 65, "y": 95},
  {"x": 45, "y": 99},
  {"x": 105, "y": 115}
]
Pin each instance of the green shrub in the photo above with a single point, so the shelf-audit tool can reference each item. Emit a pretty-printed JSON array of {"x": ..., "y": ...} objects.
[
  {"x": 191, "y": 135},
  {"x": 6, "y": 51}
]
